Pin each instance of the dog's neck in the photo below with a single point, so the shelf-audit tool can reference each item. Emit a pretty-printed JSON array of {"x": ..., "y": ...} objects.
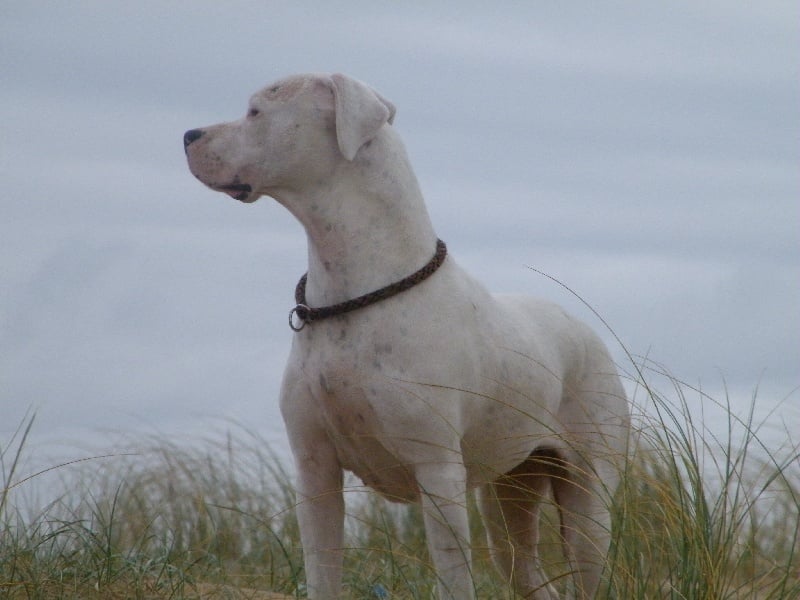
[{"x": 367, "y": 225}]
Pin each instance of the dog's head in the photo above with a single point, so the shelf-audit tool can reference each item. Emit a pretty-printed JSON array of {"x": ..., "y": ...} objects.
[{"x": 295, "y": 131}]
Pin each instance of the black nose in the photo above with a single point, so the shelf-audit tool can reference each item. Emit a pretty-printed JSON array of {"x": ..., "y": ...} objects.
[{"x": 191, "y": 136}]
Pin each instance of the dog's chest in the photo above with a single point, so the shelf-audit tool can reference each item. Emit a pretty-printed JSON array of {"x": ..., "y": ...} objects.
[
  {"x": 344, "y": 406},
  {"x": 348, "y": 414}
]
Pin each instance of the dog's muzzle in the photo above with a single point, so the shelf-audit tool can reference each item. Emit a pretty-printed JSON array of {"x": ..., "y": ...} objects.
[{"x": 235, "y": 189}]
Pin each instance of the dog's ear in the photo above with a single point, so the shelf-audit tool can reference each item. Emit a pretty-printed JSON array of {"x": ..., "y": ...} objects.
[{"x": 360, "y": 113}]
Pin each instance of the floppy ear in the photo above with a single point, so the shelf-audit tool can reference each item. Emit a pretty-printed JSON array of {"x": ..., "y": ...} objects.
[{"x": 360, "y": 113}]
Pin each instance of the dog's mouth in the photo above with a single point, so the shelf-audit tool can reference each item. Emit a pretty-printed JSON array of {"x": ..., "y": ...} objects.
[{"x": 237, "y": 191}]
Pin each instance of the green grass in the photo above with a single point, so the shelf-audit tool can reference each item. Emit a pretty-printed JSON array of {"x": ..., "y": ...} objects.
[
  {"x": 704, "y": 515},
  {"x": 698, "y": 516}
]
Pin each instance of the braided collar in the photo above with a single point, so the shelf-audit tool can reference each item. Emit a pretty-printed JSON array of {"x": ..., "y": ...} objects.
[{"x": 305, "y": 314}]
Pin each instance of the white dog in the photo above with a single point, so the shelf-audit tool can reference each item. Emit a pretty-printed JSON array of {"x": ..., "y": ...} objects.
[{"x": 404, "y": 369}]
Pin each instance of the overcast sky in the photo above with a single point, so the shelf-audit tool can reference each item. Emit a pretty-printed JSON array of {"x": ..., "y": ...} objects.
[{"x": 647, "y": 154}]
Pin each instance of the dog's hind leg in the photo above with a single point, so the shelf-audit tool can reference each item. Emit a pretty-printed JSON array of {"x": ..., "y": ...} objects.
[
  {"x": 510, "y": 509},
  {"x": 587, "y": 470},
  {"x": 585, "y": 527}
]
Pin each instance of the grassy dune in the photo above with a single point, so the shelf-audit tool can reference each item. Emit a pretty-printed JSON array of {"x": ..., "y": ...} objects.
[{"x": 698, "y": 516}]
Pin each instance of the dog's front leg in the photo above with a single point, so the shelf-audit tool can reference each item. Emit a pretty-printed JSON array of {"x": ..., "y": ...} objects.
[
  {"x": 444, "y": 504},
  {"x": 320, "y": 515},
  {"x": 319, "y": 496}
]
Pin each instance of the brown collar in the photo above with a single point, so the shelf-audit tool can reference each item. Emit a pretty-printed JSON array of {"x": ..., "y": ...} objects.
[{"x": 306, "y": 314}]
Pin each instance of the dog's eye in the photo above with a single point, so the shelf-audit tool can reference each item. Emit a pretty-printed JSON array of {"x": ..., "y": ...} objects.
[{"x": 253, "y": 112}]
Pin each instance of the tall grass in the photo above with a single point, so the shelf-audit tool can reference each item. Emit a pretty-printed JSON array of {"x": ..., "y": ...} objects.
[
  {"x": 704, "y": 515},
  {"x": 699, "y": 515}
]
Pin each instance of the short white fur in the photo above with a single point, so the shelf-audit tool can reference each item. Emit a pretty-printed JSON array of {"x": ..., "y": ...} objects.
[{"x": 438, "y": 390}]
